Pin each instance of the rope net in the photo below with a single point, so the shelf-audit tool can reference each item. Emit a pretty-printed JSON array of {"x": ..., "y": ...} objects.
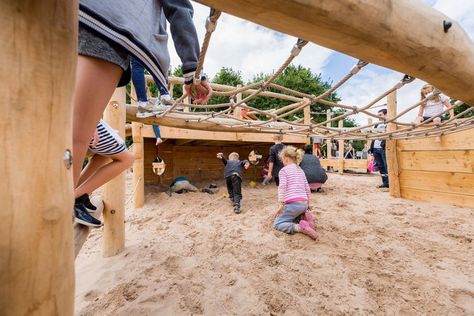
[{"x": 282, "y": 120}]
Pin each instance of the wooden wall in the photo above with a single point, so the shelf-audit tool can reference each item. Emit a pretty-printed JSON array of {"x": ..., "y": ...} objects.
[
  {"x": 438, "y": 172},
  {"x": 197, "y": 161}
]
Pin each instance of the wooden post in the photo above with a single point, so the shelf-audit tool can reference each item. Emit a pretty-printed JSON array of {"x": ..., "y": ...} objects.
[
  {"x": 38, "y": 61},
  {"x": 238, "y": 109},
  {"x": 328, "y": 141},
  {"x": 391, "y": 147},
  {"x": 138, "y": 165},
  {"x": 186, "y": 100},
  {"x": 341, "y": 151},
  {"x": 171, "y": 89},
  {"x": 114, "y": 190},
  {"x": 307, "y": 118}
]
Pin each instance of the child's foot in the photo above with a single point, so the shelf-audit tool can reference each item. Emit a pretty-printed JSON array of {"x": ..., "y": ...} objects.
[
  {"x": 307, "y": 216},
  {"x": 83, "y": 217},
  {"x": 84, "y": 200},
  {"x": 304, "y": 228}
]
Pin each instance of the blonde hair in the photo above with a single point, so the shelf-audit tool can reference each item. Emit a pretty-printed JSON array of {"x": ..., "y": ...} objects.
[
  {"x": 278, "y": 137},
  {"x": 293, "y": 153},
  {"x": 234, "y": 156},
  {"x": 427, "y": 86}
]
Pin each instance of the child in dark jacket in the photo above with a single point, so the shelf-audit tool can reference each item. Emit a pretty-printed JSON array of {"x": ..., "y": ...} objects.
[{"x": 233, "y": 177}]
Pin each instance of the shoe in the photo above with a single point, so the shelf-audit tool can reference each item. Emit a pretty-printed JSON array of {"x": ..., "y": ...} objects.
[
  {"x": 307, "y": 230},
  {"x": 166, "y": 99},
  {"x": 237, "y": 208},
  {"x": 149, "y": 109},
  {"x": 385, "y": 185},
  {"x": 307, "y": 216},
  {"x": 83, "y": 217},
  {"x": 84, "y": 200}
]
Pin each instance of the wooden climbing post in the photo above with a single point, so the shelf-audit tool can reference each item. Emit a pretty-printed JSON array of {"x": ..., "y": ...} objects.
[
  {"x": 138, "y": 165},
  {"x": 186, "y": 100},
  {"x": 114, "y": 190},
  {"x": 391, "y": 147},
  {"x": 340, "y": 167},
  {"x": 238, "y": 109},
  {"x": 328, "y": 141},
  {"x": 38, "y": 61},
  {"x": 307, "y": 118}
]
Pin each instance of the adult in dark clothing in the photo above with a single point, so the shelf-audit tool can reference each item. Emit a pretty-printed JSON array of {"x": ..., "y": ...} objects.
[
  {"x": 377, "y": 148},
  {"x": 315, "y": 174},
  {"x": 275, "y": 164},
  {"x": 233, "y": 177}
]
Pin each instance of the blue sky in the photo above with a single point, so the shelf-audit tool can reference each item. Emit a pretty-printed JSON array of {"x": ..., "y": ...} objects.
[{"x": 252, "y": 49}]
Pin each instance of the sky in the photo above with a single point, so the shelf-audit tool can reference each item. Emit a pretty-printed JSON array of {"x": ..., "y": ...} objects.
[{"x": 253, "y": 49}]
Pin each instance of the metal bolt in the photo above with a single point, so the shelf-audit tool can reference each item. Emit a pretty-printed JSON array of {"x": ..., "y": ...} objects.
[
  {"x": 112, "y": 211},
  {"x": 67, "y": 158}
]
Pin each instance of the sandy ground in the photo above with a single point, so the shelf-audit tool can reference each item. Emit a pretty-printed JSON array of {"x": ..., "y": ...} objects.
[{"x": 191, "y": 255}]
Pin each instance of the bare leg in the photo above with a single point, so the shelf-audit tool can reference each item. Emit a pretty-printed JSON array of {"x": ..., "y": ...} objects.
[
  {"x": 106, "y": 173},
  {"x": 95, "y": 83},
  {"x": 95, "y": 163}
]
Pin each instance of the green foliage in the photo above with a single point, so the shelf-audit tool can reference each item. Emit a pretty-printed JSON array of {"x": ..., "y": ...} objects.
[
  {"x": 177, "y": 89},
  {"x": 226, "y": 76},
  {"x": 462, "y": 108}
]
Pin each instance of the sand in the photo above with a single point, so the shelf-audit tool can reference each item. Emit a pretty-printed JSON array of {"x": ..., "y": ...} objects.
[{"x": 191, "y": 255}]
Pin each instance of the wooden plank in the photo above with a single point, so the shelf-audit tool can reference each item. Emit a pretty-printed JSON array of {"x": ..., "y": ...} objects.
[
  {"x": 114, "y": 190},
  {"x": 182, "y": 133},
  {"x": 441, "y": 161},
  {"x": 328, "y": 141},
  {"x": 381, "y": 32},
  {"x": 348, "y": 163},
  {"x": 138, "y": 165},
  {"x": 437, "y": 197},
  {"x": 391, "y": 148},
  {"x": 38, "y": 62},
  {"x": 457, "y": 141},
  {"x": 447, "y": 182}
]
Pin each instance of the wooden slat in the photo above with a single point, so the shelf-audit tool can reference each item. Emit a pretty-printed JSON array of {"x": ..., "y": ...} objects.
[
  {"x": 447, "y": 182},
  {"x": 457, "y": 141},
  {"x": 348, "y": 163},
  {"x": 442, "y": 161},
  {"x": 391, "y": 147},
  {"x": 381, "y": 32},
  {"x": 438, "y": 197}
]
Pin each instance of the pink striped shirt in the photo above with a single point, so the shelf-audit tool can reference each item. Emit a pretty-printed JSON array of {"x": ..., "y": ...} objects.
[{"x": 293, "y": 185}]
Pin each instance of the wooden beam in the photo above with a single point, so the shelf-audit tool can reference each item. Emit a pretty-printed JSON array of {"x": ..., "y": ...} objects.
[
  {"x": 328, "y": 141},
  {"x": 403, "y": 35},
  {"x": 38, "y": 61},
  {"x": 183, "y": 133},
  {"x": 307, "y": 118},
  {"x": 138, "y": 166},
  {"x": 391, "y": 147},
  {"x": 114, "y": 190},
  {"x": 340, "y": 167}
]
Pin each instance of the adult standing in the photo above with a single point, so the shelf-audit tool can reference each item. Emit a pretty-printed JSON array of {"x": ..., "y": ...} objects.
[
  {"x": 275, "y": 163},
  {"x": 377, "y": 148}
]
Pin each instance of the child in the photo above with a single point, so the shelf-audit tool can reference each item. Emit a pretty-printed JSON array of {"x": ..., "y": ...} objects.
[
  {"x": 294, "y": 195},
  {"x": 233, "y": 177},
  {"x": 110, "y": 158},
  {"x": 433, "y": 107}
]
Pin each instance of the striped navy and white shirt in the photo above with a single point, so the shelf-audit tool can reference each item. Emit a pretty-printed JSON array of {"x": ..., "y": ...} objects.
[
  {"x": 293, "y": 185},
  {"x": 110, "y": 143}
]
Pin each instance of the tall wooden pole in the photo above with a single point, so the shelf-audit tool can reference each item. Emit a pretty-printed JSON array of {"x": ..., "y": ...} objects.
[
  {"x": 340, "y": 167},
  {"x": 391, "y": 147},
  {"x": 307, "y": 118},
  {"x": 38, "y": 64},
  {"x": 238, "y": 109},
  {"x": 138, "y": 165},
  {"x": 114, "y": 190},
  {"x": 328, "y": 141}
]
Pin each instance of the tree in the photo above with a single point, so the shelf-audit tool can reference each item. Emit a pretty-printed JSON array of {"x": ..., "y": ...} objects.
[{"x": 226, "y": 76}]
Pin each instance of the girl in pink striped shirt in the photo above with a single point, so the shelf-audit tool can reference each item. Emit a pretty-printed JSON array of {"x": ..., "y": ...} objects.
[{"x": 294, "y": 195}]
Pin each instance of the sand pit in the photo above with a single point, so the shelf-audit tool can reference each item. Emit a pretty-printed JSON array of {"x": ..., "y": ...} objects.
[{"x": 190, "y": 255}]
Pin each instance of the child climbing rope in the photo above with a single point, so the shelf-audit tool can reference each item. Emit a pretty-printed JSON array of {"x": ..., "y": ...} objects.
[
  {"x": 233, "y": 177},
  {"x": 109, "y": 158},
  {"x": 293, "y": 195}
]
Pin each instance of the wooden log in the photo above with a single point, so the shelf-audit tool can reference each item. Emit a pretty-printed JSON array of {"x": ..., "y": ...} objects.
[
  {"x": 403, "y": 35},
  {"x": 114, "y": 190},
  {"x": 307, "y": 119},
  {"x": 340, "y": 167},
  {"x": 81, "y": 232},
  {"x": 391, "y": 147},
  {"x": 238, "y": 110},
  {"x": 328, "y": 141},
  {"x": 38, "y": 61},
  {"x": 138, "y": 166}
]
